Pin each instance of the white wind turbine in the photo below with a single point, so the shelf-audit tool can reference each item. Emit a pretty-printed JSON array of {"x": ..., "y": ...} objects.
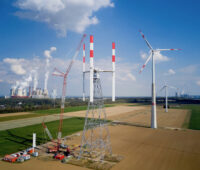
[
  {"x": 166, "y": 95},
  {"x": 152, "y": 51}
]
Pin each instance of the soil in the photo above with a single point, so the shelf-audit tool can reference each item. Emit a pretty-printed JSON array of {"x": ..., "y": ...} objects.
[{"x": 141, "y": 148}]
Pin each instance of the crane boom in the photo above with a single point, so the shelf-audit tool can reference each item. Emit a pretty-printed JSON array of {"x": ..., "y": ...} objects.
[{"x": 64, "y": 88}]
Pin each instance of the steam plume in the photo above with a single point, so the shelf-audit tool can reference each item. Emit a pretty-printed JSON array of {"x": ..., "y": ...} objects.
[{"x": 47, "y": 54}]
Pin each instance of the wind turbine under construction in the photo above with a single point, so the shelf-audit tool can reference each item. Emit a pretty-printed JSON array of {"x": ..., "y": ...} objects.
[{"x": 152, "y": 52}]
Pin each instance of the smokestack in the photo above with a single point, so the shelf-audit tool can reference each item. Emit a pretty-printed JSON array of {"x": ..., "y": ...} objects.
[
  {"x": 91, "y": 68},
  {"x": 113, "y": 71},
  {"x": 83, "y": 72}
]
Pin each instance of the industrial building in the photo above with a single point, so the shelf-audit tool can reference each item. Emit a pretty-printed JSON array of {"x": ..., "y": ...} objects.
[{"x": 32, "y": 93}]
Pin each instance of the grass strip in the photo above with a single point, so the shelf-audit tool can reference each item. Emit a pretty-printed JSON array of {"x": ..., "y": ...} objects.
[{"x": 18, "y": 139}]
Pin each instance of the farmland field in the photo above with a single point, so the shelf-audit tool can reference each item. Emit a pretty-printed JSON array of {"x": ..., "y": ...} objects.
[{"x": 142, "y": 148}]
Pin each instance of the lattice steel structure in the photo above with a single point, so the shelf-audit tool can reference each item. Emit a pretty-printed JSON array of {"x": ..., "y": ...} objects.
[{"x": 96, "y": 137}]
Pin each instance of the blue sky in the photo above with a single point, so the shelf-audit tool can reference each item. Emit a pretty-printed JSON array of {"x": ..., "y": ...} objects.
[{"x": 166, "y": 24}]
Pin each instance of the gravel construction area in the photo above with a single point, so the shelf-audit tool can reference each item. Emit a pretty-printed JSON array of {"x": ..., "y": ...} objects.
[{"x": 142, "y": 149}]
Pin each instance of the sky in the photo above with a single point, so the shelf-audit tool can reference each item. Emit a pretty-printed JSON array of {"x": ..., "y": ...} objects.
[{"x": 38, "y": 35}]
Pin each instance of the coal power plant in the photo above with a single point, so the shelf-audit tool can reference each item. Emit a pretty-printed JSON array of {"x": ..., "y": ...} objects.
[
  {"x": 23, "y": 89},
  {"x": 31, "y": 93}
]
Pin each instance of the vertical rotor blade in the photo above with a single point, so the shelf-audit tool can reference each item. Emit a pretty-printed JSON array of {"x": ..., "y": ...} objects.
[
  {"x": 148, "y": 44},
  {"x": 146, "y": 62}
]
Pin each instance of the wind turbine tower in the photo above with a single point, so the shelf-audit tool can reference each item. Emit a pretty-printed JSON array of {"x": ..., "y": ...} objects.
[
  {"x": 152, "y": 52},
  {"x": 96, "y": 137},
  {"x": 166, "y": 95}
]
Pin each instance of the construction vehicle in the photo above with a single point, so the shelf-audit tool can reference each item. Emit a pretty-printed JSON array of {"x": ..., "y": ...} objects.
[
  {"x": 10, "y": 158},
  {"x": 59, "y": 156}
]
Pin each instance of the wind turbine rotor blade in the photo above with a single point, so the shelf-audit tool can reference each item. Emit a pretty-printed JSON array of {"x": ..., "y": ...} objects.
[
  {"x": 172, "y": 87},
  {"x": 162, "y": 88},
  {"x": 172, "y": 49},
  {"x": 145, "y": 63},
  {"x": 148, "y": 44}
]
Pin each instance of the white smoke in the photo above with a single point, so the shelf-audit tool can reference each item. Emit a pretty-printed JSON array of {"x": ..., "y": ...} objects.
[
  {"x": 35, "y": 79},
  {"x": 47, "y": 54},
  {"x": 24, "y": 83},
  {"x": 54, "y": 93}
]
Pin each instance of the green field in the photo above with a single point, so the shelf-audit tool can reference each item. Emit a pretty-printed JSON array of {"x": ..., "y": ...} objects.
[
  {"x": 194, "y": 122},
  {"x": 14, "y": 140}
]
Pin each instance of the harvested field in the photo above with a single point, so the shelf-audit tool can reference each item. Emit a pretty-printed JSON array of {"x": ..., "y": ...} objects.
[
  {"x": 142, "y": 149},
  {"x": 173, "y": 118},
  {"x": 142, "y": 115},
  {"x": 111, "y": 111}
]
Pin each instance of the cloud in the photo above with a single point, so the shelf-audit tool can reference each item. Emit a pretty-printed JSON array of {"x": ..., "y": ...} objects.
[
  {"x": 16, "y": 65},
  {"x": 143, "y": 55},
  {"x": 198, "y": 82},
  {"x": 62, "y": 15},
  {"x": 1, "y": 80},
  {"x": 170, "y": 72},
  {"x": 47, "y": 53},
  {"x": 124, "y": 71},
  {"x": 157, "y": 56},
  {"x": 189, "y": 69}
]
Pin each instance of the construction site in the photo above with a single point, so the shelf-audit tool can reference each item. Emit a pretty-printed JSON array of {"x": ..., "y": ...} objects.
[
  {"x": 82, "y": 87},
  {"x": 120, "y": 136}
]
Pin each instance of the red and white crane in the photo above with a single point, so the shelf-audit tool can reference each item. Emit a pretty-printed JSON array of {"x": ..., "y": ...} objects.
[
  {"x": 57, "y": 72},
  {"x": 152, "y": 52}
]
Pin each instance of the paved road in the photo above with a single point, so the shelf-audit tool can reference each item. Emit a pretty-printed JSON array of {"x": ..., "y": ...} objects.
[
  {"x": 28, "y": 121},
  {"x": 117, "y": 110}
]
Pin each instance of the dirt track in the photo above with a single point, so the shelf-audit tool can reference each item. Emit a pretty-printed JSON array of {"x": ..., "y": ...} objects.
[{"x": 14, "y": 114}]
